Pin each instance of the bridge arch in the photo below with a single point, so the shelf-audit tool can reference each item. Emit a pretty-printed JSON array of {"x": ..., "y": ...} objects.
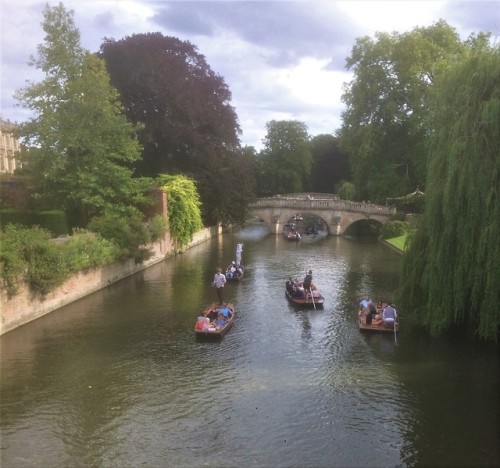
[{"x": 337, "y": 214}]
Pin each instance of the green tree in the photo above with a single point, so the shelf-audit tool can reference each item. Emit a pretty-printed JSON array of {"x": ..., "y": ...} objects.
[
  {"x": 346, "y": 190},
  {"x": 384, "y": 126},
  {"x": 330, "y": 165},
  {"x": 189, "y": 125},
  {"x": 286, "y": 160},
  {"x": 451, "y": 270},
  {"x": 84, "y": 145}
]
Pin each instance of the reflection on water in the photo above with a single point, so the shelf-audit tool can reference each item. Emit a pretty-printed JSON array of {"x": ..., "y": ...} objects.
[{"x": 118, "y": 379}]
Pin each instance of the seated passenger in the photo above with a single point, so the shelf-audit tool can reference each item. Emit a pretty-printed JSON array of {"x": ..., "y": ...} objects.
[
  {"x": 366, "y": 301},
  {"x": 369, "y": 317},
  {"x": 226, "y": 312},
  {"x": 220, "y": 322},
  {"x": 203, "y": 322},
  {"x": 229, "y": 271},
  {"x": 299, "y": 291}
]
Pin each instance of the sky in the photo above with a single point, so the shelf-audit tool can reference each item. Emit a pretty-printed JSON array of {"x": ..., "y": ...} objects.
[{"x": 281, "y": 60}]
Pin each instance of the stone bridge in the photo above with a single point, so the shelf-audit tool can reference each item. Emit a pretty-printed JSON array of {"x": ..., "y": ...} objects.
[{"x": 337, "y": 214}]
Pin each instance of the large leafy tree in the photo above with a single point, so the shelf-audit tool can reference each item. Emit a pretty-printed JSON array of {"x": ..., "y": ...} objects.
[
  {"x": 330, "y": 164},
  {"x": 286, "y": 161},
  {"x": 451, "y": 270},
  {"x": 189, "y": 125},
  {"x": 84, "y": 144},
  {"x": 385, "y": 122}
]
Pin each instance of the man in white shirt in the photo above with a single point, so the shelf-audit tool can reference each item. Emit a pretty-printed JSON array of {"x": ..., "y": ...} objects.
[
  {"x": 239, "y": 249},
  {"x": 389, "y": 315}
]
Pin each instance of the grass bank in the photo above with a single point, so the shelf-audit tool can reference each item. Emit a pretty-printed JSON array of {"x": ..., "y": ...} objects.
[{"x": 398, "y": 242}]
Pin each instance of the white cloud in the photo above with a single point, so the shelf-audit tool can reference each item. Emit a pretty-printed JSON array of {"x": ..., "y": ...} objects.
[
  {"x": 389, "y": 16},
  {"x": 281, "y": 59}
]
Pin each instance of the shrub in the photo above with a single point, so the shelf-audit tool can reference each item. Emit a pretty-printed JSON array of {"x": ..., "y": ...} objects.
[
  {"x": 394, "y": 229},
  {"x": 53, "y": 220},
  {"x": 157, "y": 227},
  {"x": 129, "y": 234},
  {"x": 86, "y": 250},
  {"x": 29, "y": 254}
]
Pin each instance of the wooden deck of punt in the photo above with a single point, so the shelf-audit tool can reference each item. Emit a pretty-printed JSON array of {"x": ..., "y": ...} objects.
[
  {"x": 212, "y": 312},
  {"x": 318, "y": 301},
  {"x": 380, "y": 327}
]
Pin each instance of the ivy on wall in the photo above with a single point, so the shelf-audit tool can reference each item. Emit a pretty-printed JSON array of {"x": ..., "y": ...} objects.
[{"x": 184, "y": 214}]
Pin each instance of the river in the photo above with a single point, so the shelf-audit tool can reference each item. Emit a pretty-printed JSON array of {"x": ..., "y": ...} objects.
[{"x": 118, "y": 379}]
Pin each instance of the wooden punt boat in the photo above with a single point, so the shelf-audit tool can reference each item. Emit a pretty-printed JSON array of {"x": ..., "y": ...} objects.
[
  {"x": 212, "y": 312},
  {"x": 374, "y": 327},
  {"x": 236, "y": 278},
  {"x": 293, "y": 236},
  {"x": 317, "y": 301}
]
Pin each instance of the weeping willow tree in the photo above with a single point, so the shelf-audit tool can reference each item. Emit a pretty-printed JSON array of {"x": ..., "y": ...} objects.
[
  {"x": 451, "y": 272},
  {"x": 184, "y": 214}
]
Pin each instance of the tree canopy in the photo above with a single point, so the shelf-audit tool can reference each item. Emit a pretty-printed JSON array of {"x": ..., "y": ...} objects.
[
  {"x": 385, "y": 124},
  {"x": 84, "y": 145},
  {"x": 189, "y": 125},
  {"x": 330, "y": 165},
  {"x": 285, "y": 163},
  {"x": 451, "y": 269}
]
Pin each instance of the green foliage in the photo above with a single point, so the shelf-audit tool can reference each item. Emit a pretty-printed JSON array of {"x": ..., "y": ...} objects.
[
  {"x": 84, "y": 146},
  {"x": 394, "y": 229},
  {"x": 130, "y": 235},
  {"x": 184, "y": 214},
  {"x": 33, "y": 256},
  {"x": 346, "y": 190},
  {"x": 30, "y": 254},
  {"x": 53, "y": 220},
  {"x": 451, "y": 271},
  {"x": 188, "y": 123},
  {"x": 398, "y": 242},
  {"x": 85, "y": 250},
  {"x": 330, "y": 165},
  {"x": 286, "y": 160},
  {"x": 385, "y": 123},
  {"x": 158, "y": 226}
]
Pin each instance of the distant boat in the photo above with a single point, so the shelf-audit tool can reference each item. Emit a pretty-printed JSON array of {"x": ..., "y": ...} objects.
[
  {"x": 237, "y": 275},
  {"x": 293, "y": 236}
]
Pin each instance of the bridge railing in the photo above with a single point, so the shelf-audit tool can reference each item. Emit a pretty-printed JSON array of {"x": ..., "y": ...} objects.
[{"x": 322, "y": 204}]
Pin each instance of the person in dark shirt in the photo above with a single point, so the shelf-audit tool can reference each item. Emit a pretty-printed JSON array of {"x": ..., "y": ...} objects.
[{"x": 307, "y": 284}]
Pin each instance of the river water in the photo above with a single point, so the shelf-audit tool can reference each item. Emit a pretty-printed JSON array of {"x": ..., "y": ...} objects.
[{"x": 118, "y": 379}]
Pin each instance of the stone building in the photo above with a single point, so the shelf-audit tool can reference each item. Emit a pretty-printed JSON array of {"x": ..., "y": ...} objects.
[{"x": 9, "y": 146}]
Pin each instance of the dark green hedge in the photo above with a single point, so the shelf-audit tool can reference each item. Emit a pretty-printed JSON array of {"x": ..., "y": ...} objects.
[{"x": 54, "y": 221}]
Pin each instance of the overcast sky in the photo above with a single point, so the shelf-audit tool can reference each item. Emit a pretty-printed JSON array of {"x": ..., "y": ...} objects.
[{"x": 282, "y": 60}]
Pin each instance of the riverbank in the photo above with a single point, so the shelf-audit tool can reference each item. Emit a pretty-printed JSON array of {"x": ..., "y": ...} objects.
[
  {"x": 27, "y": 306},
  {"x": 396, "y": 243}
]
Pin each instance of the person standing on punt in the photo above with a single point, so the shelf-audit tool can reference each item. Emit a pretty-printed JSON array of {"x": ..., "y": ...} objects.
[
  {"x": 219, "y": 282},
  {"x": 389, "y": 315},
  {"x": 307, "y": 283},
  {"x": 239, "y": 250}
]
